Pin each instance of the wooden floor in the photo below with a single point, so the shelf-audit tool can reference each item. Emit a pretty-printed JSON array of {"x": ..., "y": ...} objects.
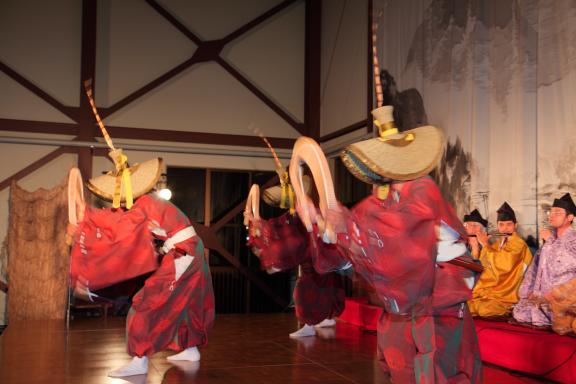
[{"x": 242, "y": 349}]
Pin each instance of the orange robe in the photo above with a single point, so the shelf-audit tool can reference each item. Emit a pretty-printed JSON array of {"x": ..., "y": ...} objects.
[{"x": 497, "y": 288}]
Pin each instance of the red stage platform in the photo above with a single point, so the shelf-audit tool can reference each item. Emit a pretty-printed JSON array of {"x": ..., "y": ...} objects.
[{"x": 536, "y": 352}]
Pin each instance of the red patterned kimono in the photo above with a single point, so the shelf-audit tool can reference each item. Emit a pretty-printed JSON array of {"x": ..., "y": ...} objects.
[
  {"x": 284, "y": 245},
  {"x": 115, "y": 245},
  {"x": 426, "y": 333}
]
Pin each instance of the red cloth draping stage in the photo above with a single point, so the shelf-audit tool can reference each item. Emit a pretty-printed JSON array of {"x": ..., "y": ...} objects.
[
  {"x": 532, "y": 351},
  {"x": 358, "y": 312}
]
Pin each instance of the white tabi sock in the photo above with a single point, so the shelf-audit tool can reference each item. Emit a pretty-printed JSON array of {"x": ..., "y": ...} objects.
[
  {"x": 189, "y": 354},
  {"x": 326, "y": 323},
  {"x": 305, "y": 331},
  {"x": 138, "y": 366}
]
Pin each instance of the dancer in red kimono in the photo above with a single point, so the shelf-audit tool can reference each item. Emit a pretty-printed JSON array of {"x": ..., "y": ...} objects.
[
  {"x": 282, "y": 244},
  {"x": 175, "y": 308},
  {"x": 408, "y": 243}
]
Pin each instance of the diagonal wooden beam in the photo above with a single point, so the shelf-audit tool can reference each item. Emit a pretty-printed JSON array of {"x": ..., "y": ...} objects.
[
  {"x": 105, "y": 112},
  {"x": 208, "y": 236},
  {"x": 38, "y": 127},
  {"x": 33, "y": 167},
  {"x": 175, "y": 22},
  {"x": 71, "y": 112},
  {"x": 209, "y": 51},
  {"x": 258, "y": 20},
  {"x": 259, "y": 94},
  {"x": 239, "y": 207},
  {"x": 345, "y": 130}
]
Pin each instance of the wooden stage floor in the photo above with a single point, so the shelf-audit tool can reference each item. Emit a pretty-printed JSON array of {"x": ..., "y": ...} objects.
[{"x": 242, "y": 349}]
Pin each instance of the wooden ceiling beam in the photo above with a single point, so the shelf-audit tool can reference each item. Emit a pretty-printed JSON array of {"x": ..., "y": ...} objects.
[
  {"x": 343, "y": 131},
  {"x": 38, "y": 127},
  {"x": 70, "y": 112},
  {"x": 11, "y": 125},
  {"x": 262, "y": 96},
  {"x": 105, "y": 112},
  {"x": 196, "y": 137},
  {"x": 86, "y": 118},
  {"x": 34, "y": 166},
  {"x": 370, "y": 68},
  {"x": 175, "y": 22},
  {"x": 210, "y": 51},
  {"x": 258, "y": 20}
]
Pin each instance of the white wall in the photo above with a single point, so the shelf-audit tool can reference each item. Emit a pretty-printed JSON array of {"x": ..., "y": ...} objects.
[{"x": 344, "y": 63}]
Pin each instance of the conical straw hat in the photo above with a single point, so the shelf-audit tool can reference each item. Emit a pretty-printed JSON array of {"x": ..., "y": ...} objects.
[
  {"x": 394, "y": 155},
  {"x": 273, "y": 195},
  {"x": 124, "y": 183},
  {"x": 143, "y": 177}
]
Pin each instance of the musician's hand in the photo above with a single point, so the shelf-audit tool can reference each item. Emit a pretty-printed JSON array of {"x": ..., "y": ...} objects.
[
  {"x": 474, "y": 246},
  {"x": 482, "y": 238},
  {"x": 545, "y": 234}
]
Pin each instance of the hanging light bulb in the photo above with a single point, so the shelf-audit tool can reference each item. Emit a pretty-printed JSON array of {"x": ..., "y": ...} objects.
[{"x": 163, "y": 191}]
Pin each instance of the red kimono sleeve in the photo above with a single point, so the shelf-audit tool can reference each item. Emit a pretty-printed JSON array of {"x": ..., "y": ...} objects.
[
  {"x": 111, "y": 246},
  {"x": 393, "y": 244},
  {"x": 283, "y": 242}
]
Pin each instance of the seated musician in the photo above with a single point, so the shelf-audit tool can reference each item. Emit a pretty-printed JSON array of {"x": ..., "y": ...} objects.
[
  {"x": 551, "y": 276},
  {"x": 474, "y": 223},
  {"x": 505, "y": 257}
]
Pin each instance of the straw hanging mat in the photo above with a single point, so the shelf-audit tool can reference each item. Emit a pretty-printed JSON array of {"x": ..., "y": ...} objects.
[{"x": 38, "y": 254}]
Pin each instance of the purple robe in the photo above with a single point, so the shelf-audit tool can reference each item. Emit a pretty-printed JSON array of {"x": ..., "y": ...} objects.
[{"x": 553, "y": 265}]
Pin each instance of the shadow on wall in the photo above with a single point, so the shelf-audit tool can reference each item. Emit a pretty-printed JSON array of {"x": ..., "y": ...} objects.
[
  {"x": 565, "y": 170},
  {"x": 454, "y": 173}
]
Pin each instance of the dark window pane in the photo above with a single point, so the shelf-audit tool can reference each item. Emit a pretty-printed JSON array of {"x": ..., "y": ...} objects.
[
  {"x": 188, "y": 186},
  {"x": 228, "y": 189}
]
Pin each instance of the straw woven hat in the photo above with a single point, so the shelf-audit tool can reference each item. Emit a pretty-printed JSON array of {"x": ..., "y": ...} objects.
[
  {"x": 273, "y": 195},
  {"x": 143, "y": 178},
  {"x": 394, "y": 155}
]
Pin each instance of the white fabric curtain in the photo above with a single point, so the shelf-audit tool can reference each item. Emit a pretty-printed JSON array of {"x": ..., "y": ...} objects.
[{"x": 499, "y": 77}]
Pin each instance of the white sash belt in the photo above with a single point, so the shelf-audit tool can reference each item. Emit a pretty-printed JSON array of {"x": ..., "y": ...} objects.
[{"x": 178, "y": 237}]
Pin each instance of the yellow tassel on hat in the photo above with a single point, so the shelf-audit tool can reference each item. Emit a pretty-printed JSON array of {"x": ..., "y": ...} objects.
[
  {"x": 287, "y": 196},
  {"x": 122, "y": 180},
  {"x": 382, "y": 191},
  {"x": 389, "y": 129}
]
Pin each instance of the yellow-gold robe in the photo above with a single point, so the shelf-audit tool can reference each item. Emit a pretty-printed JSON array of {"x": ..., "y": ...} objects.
[{"x": 504, "y": 265}]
